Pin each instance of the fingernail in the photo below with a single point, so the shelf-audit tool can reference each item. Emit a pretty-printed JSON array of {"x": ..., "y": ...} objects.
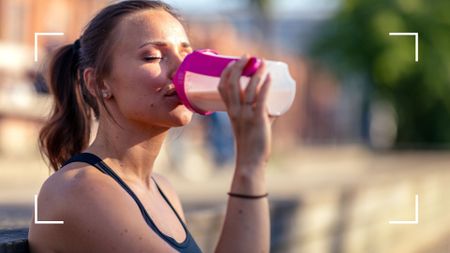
[
  {"x": 231, "y": 63},
  {"x": 245, "y": 57}
]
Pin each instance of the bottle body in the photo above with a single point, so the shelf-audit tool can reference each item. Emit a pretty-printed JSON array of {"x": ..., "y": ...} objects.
[{"x": 199, "y": 88}]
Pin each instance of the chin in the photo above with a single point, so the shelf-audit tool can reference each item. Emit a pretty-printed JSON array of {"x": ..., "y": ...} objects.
[{"x": 181, "y": 116}]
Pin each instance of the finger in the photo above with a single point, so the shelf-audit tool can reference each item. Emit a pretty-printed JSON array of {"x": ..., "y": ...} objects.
[
  {"x": 263, "y": 93},
  {"x": 234, "y": 81},
  {"x": 272, "y": 119},
  {"x": 255, "y": 81},
  {"x": 223, "y": 83}
]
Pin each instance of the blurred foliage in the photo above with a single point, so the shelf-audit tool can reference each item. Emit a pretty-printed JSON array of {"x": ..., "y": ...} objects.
[
  {"x": 262, "y": 5},
  {"x": 357, "y": 41}
]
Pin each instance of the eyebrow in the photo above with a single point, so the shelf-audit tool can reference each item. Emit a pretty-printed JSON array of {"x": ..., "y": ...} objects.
[{"x": 163, "y": 44}]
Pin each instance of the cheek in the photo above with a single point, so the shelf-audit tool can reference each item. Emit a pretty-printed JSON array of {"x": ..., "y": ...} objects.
[
  {"x": 152, "y": 80},
  {"x": 141, "y": 83},
  {"x": 138, "y": 89}
]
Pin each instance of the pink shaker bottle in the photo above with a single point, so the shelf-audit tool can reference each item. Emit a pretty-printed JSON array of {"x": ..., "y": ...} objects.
[{"x": 198, "y": 76}]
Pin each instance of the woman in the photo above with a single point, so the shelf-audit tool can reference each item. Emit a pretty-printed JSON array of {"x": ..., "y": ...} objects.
[{"x": 110, "y": 200}]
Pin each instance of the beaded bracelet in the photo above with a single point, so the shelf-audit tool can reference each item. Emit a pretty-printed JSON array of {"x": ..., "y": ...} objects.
[{"x": 244, "y": 196}]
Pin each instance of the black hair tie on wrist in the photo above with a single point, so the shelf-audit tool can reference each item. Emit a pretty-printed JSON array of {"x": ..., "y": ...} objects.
[{"x": 244, "y": 196}]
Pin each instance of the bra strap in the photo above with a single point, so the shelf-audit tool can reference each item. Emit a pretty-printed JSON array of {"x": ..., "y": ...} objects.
[{"x": 98, "y": 163}]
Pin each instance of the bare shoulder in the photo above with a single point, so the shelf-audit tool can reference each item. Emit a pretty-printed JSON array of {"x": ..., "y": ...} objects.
[
  {"x": 72, "y": 183},
  {"x": 170, "y": 192},
  {"x": 98, "y": 215}
]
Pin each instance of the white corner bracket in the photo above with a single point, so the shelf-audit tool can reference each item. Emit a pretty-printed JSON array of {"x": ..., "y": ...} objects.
[
  {"x": 413, "y": 222},
  {"x": 36, "y": 221},
  {"x": 36, "y": 35},
  {"x": 416, "y": 36}
]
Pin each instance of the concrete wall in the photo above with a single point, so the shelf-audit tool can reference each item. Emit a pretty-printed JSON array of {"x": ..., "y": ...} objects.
[{"x": 354, "y": 218}]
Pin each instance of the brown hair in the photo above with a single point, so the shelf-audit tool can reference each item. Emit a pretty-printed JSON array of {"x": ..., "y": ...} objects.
[{"x": 68, "y": 130}]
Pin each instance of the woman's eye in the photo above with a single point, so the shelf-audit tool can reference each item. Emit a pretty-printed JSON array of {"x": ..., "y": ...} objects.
[{"x": 152, "y": 58}]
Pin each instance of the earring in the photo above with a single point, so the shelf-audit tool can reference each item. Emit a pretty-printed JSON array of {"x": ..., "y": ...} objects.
[{"x": 105, "y": 94}]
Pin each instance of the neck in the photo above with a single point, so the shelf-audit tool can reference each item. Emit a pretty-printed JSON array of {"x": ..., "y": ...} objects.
[{"x": 130, "y": 150}]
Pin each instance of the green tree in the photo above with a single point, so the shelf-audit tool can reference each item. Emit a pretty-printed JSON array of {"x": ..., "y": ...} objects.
[{"x": 357, "y": 41}]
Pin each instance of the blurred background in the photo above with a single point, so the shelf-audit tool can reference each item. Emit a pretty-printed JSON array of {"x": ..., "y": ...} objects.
[{"x": 369, "y": 128}]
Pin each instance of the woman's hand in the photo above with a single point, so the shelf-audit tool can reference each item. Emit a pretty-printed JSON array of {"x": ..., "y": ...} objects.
[{"x": 248, "y": 113}]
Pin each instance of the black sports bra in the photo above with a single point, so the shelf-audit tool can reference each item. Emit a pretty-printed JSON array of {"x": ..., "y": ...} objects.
[{"x": 187, "y": 246}]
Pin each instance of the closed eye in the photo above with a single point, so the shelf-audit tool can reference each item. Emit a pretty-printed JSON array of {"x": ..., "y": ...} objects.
[{"x": 152, "y": 58}]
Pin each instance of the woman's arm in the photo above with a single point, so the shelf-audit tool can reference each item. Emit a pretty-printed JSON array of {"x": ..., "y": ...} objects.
[{"x": 247, "y": 222}]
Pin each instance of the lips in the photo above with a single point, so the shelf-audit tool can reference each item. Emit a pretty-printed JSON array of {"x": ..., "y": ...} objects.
[
  {"x": 171, "y": 92},
  {"x": 172, "y": 95}
]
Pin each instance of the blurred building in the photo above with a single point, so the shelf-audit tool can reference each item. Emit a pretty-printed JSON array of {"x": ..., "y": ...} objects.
[
  {"x": 20, "y": 19},
  {"x": 21, "y": 109},
  {"x": 284, "y": 34}
]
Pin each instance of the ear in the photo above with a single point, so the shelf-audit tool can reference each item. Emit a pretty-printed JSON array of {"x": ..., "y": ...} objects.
[
  {"x": 91, "y": 83},
  {"x": 89, "y": 80}
]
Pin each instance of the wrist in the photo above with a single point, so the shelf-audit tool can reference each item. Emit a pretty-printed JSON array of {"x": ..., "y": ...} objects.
[
  {"x": 245, "y": 162},
  {"x": 248, "y": 180}
]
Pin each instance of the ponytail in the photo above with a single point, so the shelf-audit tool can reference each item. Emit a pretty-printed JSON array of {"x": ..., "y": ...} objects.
[{"x": 68, "y": 130}]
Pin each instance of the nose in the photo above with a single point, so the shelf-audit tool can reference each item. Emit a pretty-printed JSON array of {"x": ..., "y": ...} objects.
[{"x": 175, "y": 64}]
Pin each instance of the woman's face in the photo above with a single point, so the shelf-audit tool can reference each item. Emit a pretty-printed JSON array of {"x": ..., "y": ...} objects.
[{"x": 149, "y": 47}]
